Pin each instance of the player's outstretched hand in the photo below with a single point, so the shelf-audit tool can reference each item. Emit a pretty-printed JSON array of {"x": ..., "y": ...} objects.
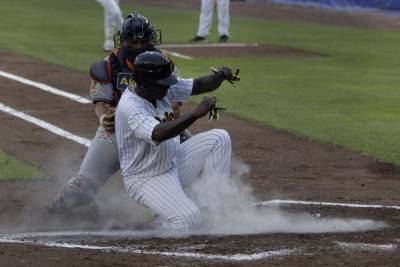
[
  {"x": 107, "y": 120},
  {"x": 227, "y": 74},
  {"x": 205, "y": 106}
]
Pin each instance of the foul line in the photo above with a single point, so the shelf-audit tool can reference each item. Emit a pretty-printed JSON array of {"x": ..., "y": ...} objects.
[
  {"x": 178, "y": 55},
  {"x": 45, "y": 87},
  {"x": 297, "y": 202},
  {"x": 233, "y": 257},
  {"x": 50, "y": 127},
  {"x": 367, "y": 247},
  {"x": 208, "y": 45}
]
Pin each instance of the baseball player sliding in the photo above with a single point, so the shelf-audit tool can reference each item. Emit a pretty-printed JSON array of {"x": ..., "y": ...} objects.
[
  {"x": 111, "y": 77},
  {"x": 156, "y": 167}
]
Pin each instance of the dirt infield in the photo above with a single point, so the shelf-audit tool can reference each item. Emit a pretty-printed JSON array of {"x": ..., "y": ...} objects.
[{"x": 281, "y": 166}]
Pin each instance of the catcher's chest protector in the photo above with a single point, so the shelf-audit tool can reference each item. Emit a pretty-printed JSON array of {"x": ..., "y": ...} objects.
[{"x": 121, "y": 75}]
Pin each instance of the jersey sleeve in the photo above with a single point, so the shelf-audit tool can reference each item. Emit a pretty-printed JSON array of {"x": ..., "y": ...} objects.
[
  {"x": 181, "y": 91},
  {"x": 101, "y": 92},
  {"x": 143, "y": 125}
]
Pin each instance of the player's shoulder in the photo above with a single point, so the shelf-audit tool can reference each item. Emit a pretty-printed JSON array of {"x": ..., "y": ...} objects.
[{"x": 101, "y": 71}]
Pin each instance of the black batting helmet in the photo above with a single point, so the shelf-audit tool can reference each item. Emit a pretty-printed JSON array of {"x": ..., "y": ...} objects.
[
  {"x": 137, "y": 27},
  {"x": 153, "y": 67}
]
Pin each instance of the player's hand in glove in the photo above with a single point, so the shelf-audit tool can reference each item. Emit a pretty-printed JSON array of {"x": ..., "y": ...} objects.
[
  {"x": 227, "y": 74},
  {"x": 107, "y": 120},
  {"x": 205, "y": 106}
]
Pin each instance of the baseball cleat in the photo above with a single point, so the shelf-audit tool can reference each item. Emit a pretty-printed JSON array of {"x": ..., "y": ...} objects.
[{"x": 198, "y": 39}]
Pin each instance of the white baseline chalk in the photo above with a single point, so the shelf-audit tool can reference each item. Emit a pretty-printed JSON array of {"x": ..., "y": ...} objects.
[
  {"x": 298, "y": 202},
  {"x": 178, "y": 55},
  {"x": 208, "y": 45},
  {"x": 45, "y": 87},
  {"x": 54, "y": 129},
  {"x": 232, "y": 257},
  {"x": 367, "y": 247}
]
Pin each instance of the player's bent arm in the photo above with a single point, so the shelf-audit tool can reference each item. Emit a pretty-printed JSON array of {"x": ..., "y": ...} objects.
[
  {"x": 101, "y": 108},
  {"x": 176, "y": 109},
  {"x": 211, "y": 82},
  {"x": 170, "y": 129},
  {"x": 106, "y": 116}
]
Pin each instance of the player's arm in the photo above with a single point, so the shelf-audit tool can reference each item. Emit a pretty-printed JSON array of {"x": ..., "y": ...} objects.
[
  {"x": 211, "y": 82},
  {"x": 105, "y": 115},
  {"x": 176, "y": 109},
  {"x": 170, "y": 129},
  {"x": 101, "y": 92}
]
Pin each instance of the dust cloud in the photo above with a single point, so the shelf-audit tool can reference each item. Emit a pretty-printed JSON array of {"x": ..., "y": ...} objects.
[{"x": 236, "y": 213}]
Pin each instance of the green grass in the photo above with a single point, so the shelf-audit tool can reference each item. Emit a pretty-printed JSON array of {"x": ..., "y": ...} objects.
[
  {"x": 12, "y": 169},
  {"x": 349, "y": 98}
]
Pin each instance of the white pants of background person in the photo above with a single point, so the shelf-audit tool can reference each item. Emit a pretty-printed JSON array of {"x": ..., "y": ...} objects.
[
  {"x": 206, "y": 15},
  {"x": 112, "y": 21}
]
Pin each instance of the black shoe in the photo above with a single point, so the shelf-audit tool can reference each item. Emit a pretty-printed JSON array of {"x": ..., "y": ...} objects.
[
  {"x": 198, "y": 39},
  {"x": 223, "y": 38}
]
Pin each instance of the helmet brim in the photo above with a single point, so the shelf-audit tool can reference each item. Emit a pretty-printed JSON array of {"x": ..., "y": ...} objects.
[{"x": 171, "y": 80}]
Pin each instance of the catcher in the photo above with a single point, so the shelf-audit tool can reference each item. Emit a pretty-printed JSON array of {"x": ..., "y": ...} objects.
[{"x": 111, "y": 77}]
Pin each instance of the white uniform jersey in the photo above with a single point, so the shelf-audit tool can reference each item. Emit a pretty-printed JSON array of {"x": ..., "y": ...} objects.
[{"x": 140, "y": 156}]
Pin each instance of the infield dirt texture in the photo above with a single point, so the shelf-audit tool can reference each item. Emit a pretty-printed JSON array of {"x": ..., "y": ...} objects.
[{"x": 280, "y": 166}]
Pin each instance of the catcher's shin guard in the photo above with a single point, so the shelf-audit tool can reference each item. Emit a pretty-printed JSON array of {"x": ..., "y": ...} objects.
[{"x": 79, "y": 191}]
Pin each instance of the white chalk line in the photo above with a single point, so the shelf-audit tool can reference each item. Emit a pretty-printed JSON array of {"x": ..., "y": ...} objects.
[
  {"x": 367, "y": 247},
  {"x": 178, "y": 55},
  {"x": 232, "y": 257},
  {"x": 45, "y": 87},
  {"x": 45, "y": 125},
  {"x": 194, "y": 45},
  {"x": 299, "y": 202}
]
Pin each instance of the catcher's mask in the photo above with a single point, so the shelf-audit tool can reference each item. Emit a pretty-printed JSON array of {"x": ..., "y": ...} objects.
[
  {"x": 152, "y": 67},
  {"x": 137, "y": 27}
]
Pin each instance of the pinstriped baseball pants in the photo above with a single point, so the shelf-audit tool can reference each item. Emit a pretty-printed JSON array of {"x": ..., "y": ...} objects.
[{"x": 205, "y": 155}]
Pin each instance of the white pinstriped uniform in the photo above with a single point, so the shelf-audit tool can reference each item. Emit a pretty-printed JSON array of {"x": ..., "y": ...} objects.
[{"x": 155, "y": 174}]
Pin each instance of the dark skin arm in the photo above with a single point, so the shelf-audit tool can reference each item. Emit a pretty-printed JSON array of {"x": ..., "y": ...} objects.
[
  {"x": 170, "y": 129},
  {"x": 211, "y": 82},
  {"x": 208, "y": 83}
]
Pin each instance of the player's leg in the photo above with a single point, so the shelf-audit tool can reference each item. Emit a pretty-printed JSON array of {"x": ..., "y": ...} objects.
[
  {"x": 223, "y": 19},
  {"x": 100, "y": 163},
  {"x": 206, "y": 155},
  {"x": 117, "y": 18},
  {"x": 112, "y": 21},
  {"x": 165, "y": 196},
  {"x": 206, "y": 16}
]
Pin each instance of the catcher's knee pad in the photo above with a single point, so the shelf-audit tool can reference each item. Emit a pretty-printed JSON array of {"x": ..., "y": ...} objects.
[{"x": 77, "y": 192}]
